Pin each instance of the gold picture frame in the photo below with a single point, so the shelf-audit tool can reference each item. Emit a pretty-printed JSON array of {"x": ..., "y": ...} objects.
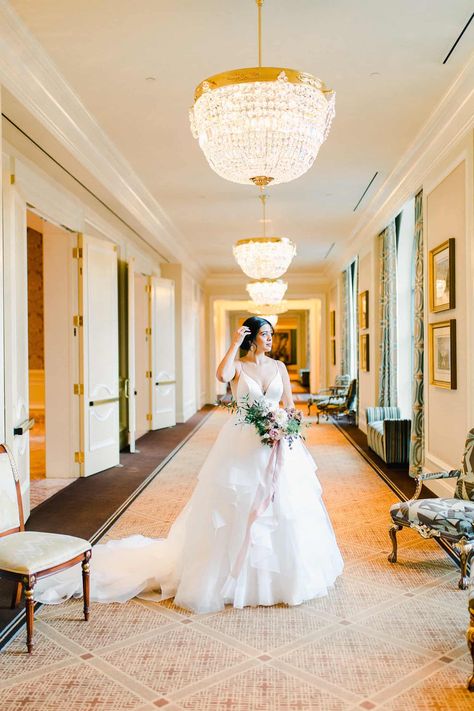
[
  {"x": 333, "y": 351},
  {"x": 442, "y": 354},
  {"x": 364, "y": 310},
  {"x": 442, "y": 271},
  {"x": 364, "y": 357},
  {"x": 332, "y": 324},
  {"x": 284, "y": 346}
]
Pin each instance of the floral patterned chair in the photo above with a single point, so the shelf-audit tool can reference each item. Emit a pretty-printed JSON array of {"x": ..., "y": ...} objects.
[
  {"x": 338, "y": 392},
  {"x": 449, "y": 519},
  {"x": 339, "y": 406}
]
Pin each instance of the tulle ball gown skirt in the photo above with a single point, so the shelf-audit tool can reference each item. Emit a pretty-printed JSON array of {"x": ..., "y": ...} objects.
[{"x": 219, "y": 551}]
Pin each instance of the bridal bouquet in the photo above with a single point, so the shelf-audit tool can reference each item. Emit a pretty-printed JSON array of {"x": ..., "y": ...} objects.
[{"x": 271, "y": 422}]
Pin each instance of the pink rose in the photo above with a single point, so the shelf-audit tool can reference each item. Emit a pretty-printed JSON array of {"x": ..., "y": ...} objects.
[{"x": 275, "y": 434}]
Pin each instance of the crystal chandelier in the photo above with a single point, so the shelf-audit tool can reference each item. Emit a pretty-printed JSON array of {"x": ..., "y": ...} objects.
[
  {"x": 264, "y": 257},
  {"x": 269, "y": 309},
  {"x": 267, "y": 291},
  {"x": 261, "y": 125}
]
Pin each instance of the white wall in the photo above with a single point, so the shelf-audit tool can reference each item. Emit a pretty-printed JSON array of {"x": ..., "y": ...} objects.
[
  {"x": 448, "y": 212},
  {"x": 368, "y": 379},
  {"x": 333, "y": 305},
  {"x": 187, "y": 326}
]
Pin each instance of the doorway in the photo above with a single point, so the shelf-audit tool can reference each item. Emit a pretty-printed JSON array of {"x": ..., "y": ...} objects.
[
  {"x": 36, "y": 375},
  {"x": 54, "y": 434}
]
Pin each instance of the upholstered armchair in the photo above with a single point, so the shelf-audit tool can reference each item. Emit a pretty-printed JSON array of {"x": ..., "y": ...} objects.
[
  {"x": 339, "y": 406},
  {"x": 337, "y": 391},
  {"x": 448, "y": 519},
  {"x": 388, "y": 435},
  {"x": 26, "y": 556}
]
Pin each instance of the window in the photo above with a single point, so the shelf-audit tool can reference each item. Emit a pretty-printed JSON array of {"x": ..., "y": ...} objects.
[{"x": 405, "y": 231}]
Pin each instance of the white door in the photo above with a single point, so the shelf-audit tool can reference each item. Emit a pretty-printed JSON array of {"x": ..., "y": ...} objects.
[
  {"x": 17, "y": 422},
  {"x": 99, "y": 376},
  {"x": 163, "y": 353},
  {"x": 142, "y": 355},
  {"x": 131, "y": 384},
  {"x": 60, "y": 350}
]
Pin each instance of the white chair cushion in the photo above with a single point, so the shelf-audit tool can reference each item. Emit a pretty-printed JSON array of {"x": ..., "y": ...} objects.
[{"x": 32, "y": 551}]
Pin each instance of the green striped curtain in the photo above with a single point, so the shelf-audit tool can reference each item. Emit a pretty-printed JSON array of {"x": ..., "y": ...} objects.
[
  {"x": 346, "y": 321},
  {"x": 388, "y": 317},
  {"x": 417, "y": 418}
]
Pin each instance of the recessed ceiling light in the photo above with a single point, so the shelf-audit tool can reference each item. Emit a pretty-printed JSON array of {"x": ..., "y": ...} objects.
[
  {"x": 150, "y": 78},
  {"x": 374, "y": 74}
]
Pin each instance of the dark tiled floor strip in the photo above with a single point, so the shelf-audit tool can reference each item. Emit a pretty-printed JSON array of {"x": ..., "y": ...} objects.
[{"x": 89, "y": 506}]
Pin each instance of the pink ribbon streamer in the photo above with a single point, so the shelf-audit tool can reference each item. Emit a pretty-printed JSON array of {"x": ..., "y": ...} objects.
[{"x": 264, "y": 495}]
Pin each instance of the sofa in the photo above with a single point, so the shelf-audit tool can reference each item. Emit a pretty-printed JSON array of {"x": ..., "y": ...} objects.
[{"x": 388, "y": 435}]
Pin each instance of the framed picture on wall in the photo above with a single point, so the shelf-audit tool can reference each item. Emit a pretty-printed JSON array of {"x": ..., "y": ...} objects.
[
  {"x": 364, "y": 310},
  {"x": 442, "y": 354},
  {"x": 284, "y": 346},
  {"x": 332, "y": 324},
  {"x": 333, "y": 351},
  {"x": 442, "y": 284},
  {"x": 364, "y": 352}
]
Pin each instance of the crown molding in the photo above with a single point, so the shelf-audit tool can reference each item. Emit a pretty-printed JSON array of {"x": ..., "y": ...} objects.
[
  {"x": 29, "y": 74},
  {"x": 452, "y": 118}
]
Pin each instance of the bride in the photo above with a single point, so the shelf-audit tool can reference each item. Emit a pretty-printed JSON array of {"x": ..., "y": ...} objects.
[{"x": 226, "y": 547}]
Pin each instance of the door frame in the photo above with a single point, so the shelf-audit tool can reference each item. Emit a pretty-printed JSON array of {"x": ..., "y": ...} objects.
[{"x": 17, "y": 415}]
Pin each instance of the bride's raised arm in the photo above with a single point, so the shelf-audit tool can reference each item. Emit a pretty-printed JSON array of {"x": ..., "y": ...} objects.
[
  {"x": 287, "y": 394},
  {"x": 226, "y": 368}
]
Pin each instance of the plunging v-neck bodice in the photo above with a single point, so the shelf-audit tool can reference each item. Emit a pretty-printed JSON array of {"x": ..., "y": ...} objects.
[{"x": 247, "y": 386}]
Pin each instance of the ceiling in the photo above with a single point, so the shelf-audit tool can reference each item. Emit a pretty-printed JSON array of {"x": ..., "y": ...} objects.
[{"x": 383, "y": 59}]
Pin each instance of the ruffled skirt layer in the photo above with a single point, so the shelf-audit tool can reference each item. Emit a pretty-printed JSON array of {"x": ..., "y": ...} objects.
[{"x": 212, "y": 556}]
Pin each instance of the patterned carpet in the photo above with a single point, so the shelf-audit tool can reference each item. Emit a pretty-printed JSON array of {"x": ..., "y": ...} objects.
[{"x": 388, "y": 637}]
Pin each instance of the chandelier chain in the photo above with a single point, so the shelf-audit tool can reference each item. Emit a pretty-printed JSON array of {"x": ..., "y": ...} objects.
[
  {"x": 263, "y": 198},
  {"x": 259, "y": 6}
]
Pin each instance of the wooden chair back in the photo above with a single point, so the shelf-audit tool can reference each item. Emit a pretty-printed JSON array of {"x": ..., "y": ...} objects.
[{"x": 11, "y": 507}]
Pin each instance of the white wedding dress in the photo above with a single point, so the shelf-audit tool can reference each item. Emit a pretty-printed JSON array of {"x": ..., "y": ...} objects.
[{"x": 212, "y": 555}]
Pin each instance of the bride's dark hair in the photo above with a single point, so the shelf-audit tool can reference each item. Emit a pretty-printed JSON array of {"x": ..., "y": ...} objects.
[{"x": 255, "y": 323}]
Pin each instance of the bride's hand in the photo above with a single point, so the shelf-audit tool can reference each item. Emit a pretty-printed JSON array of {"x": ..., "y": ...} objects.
[{"x": 239, "y": 335}]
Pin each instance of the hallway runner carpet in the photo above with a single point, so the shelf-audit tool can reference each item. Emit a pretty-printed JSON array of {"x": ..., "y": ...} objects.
[{"x": 387, "y": 636}]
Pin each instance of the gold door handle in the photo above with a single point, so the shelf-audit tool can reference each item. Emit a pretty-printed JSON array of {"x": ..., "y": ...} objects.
[{"x": 93, "y": 403}]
